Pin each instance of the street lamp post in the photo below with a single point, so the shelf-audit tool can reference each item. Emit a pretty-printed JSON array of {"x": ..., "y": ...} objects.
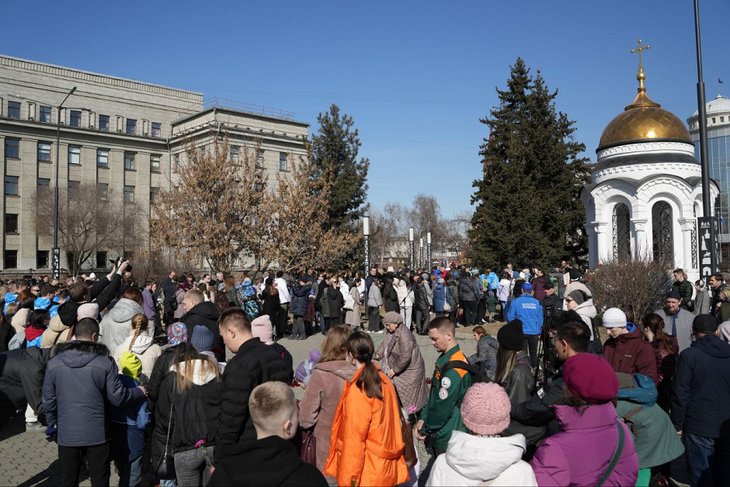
[
  {"x": 420, "y": 252},
  {"x": 366, "y": 234},
  {"x": 429, "y": 260},
  {"x": 705, "y": 272},
  {"x": 411, "y": 250},
  {"x": 56, "y": 201}
]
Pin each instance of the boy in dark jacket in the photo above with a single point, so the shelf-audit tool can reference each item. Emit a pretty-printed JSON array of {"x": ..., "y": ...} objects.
[
  {"x": 270, "y": 459},
  {"x": 80, "y": 379},
  {"x": 700, "y": 404}
]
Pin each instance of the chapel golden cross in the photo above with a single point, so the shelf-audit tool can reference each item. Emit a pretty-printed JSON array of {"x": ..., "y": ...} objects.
[{"x": 639, "y": 49}]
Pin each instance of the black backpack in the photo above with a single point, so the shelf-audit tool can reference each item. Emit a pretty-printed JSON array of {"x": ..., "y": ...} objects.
[{"x": 477, "y": 373}]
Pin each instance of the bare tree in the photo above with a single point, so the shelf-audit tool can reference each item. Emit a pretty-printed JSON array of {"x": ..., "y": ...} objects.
[
  {"x": 212, "y": 211},
  {"x": 389, "y": 232},
  {"x": 300, "y": 236},
  {"x": 89, "y": 221}
]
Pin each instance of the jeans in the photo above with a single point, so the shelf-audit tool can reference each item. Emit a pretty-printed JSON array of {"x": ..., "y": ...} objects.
[
  {"x": 707, "y": 459},
  {"x": 530, "y": 346},
  {"x": 97, "y": 459},
  {"x": 192, "y": 468},
  {"x": 298, "y": 328},
  {"x": 130, "y": 473},
  {"x": 423, "y": 319}
]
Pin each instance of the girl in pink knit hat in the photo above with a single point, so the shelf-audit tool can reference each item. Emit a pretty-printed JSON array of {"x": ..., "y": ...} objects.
[{"x": 482, "y": 455}]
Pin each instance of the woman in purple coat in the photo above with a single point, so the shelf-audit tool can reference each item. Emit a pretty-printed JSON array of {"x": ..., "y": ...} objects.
[{"x": 593, "y": 444}]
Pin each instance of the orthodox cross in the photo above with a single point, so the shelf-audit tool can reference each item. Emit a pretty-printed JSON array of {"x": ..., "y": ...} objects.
[{"x": 639, "y": 49}]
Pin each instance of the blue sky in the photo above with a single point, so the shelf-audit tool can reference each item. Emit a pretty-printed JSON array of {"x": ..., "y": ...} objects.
[{"x": 415, "y": 76}]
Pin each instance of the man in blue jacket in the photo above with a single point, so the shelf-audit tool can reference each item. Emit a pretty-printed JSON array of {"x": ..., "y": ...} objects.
[
  {"x": 528, "y": 310},
  {"x": 700, "y": 404},
  {"x": 80, "y": 379}
]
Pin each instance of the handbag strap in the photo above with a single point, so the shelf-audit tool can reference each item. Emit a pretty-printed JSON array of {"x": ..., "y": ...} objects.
[
  {"x": 169, "y": 426},
  {"x": 616, "y": 455}
]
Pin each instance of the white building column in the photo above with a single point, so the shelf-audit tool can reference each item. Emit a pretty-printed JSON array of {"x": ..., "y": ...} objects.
[
  {"x": 604, "y": 245},
  {"x": 686, "y": 250},
  {"x": 642, "y": 246}
]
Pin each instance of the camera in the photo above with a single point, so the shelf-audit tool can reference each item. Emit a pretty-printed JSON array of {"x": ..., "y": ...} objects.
[{"x": 118, "y": 262}]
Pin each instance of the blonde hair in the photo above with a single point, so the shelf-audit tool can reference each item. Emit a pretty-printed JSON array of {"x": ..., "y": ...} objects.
[
  {"x": 185, "y": 369},
  {"x": 139, "y": 324},
  {"x": 271, "y": 402}
]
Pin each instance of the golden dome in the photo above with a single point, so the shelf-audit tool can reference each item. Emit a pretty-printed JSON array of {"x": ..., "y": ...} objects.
[{"x": 642, "y": 121}]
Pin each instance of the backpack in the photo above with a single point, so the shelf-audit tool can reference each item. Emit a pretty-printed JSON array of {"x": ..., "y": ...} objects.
[
  {"x": 251, "y": 309},
  {"x": 477, "y": 373}
]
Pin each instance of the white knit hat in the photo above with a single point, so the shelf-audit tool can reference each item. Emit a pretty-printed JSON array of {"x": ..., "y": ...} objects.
[{"x": 614, "y": 318}]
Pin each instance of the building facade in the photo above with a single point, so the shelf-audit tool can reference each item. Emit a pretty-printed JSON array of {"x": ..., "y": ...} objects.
[
  {"x": 718, "y": 151},
  {"x": 120, "y": 137}
]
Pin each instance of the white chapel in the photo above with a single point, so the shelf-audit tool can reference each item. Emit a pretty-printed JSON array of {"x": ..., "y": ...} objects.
[{"x": 646, "y": 190}]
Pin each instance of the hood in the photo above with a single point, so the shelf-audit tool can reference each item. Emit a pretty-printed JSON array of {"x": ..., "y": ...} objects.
[
  {"x": 593, "y": 416},
  {"x": 465, "y": 454},
  {"x": 713, "y": 346},
  {"x": 340, "y": 368},
  {"x": 586, "y": 308},
  {"x": 41, "y": 303},
  {"x": 269, "y": 461},
  {"x": 401, "y": 283},
  {"x": 124, "y": 310},
  {"x": 79, "y": 353},
  {"x": 206, "y": 309},
  {"x": 200, "y": 378},
  {"x": 635, "y": 334},
  {"x": 141, "y": 343}
]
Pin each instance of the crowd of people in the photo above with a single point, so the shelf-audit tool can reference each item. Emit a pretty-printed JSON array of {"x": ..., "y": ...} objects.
[{"x": 188, "y": 382}]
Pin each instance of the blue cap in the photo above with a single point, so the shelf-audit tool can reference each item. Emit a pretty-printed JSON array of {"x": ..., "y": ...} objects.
[{"x": 526, "y": 287}]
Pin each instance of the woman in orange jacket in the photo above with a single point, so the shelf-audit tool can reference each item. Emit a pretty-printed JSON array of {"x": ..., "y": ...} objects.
[{"x": 367, "y": 443}]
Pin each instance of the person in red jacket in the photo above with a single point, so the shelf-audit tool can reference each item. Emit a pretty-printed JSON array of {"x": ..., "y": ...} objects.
[{"x": 626, "y": 350}]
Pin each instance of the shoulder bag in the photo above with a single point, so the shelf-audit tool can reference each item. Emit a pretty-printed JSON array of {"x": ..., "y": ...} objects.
[
  {"x": 308, "y": 452},
  {"x": 166, "y": 466},
  {"x": 616, "y": 455}
]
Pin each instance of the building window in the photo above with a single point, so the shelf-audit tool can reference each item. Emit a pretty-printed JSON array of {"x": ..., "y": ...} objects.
[
  {"x": 235, "y": 153},
  {"x": 11, "y": 223},
  {"x": 101, "y": 259},
  {"x": 102, "y": 191},
  {"x": 43, "y": 183},
  {"x": 11, "y": 259},
  {"x": 131, "y": 126},
  {"x": 154, "y": 195},
  {"x": 155, "y": 162},
  {"x": 156, "y": 129},
  {"x": 11, "y": 185},
  {"x": 129, "y": 161},
  {"x": 722, "y": 119},
  {"x": 260, "y": 159},
  {"x": 41, "y": 259},
  {"x": 12, "y": 148},
  {"x": 74, "y": 154},
  {"x": 282, "y": 161},
  {"x": 104, "y": 122},
  {"x": 75, "y": 118},
  {"x": 13, "y": 109},
  {"x": 102, "y": 157},
  {"x": 74, "y": 188},
  {"x": 129, "y": 194},
  {"x": 45, "y": 114},
  {"x": 44, "y": 152}
]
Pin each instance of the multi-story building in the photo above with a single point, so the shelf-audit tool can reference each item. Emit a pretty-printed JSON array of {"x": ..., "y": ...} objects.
[{"x": 117, "y": 135}]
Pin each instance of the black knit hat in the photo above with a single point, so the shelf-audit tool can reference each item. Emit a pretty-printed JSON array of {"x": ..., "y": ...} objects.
[
  {"x": 705, "y": 324},
  {"x": 510, "y": 336}
]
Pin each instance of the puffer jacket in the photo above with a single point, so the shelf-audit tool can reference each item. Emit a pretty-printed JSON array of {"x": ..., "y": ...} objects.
[
  {"x": 405, "y": 298},
  {"x": 630, "y": 354},
  {"x": 196, "y": 410},
  {"x": 390, "y": 297},
  {"x": 253, "y": 364},
  {"x": 367, "y": 440},
  {"x": 299, "y": 299},
  {"x": 486, "y": 356},
  {"x": 320, "y": 401},
  {"x": 469, "y": 290},
  {"x": 82, "y": 377},
  {"x": 439, "y": 298},
  {"x": 117, "y": 323},
  {"x": 421, "y": 298},
  {"x": 21, "y": 376},
  {"x": 587, "y": 311},
  {"x": 580, "y": 453},
  {"x": 480, "y": 460},
  {"x": 375, "y": 298}
]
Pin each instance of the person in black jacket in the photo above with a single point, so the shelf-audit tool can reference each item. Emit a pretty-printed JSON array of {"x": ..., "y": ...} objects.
[
  {"x": 21, "y": 381},
  {"x": 77, "y": 416},
  {"x": 253, "y": 364},
  {"x": 269, "y": 458},
  {"x": 572, "y": 337},
  {"x": 169, "y": 303},
  {"x": 390, "y": 295},
  {"x": 198, "y": 311},
  {"x": 700, "y": 401}
]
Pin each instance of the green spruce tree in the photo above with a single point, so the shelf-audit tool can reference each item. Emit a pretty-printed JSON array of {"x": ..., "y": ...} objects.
[
  {"x": 528, "y": 210},
  {"x": 334, "y": 150}
]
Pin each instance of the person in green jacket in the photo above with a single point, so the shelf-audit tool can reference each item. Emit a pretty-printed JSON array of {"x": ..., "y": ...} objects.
[
  {"x": 440, "y": 416},
  {"x": 655, "y": 437}
]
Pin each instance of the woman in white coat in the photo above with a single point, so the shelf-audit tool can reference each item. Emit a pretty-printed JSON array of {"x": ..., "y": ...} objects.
[
  {"x": 405, "y": 300},
  {"x": 482, "y": 456}
]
